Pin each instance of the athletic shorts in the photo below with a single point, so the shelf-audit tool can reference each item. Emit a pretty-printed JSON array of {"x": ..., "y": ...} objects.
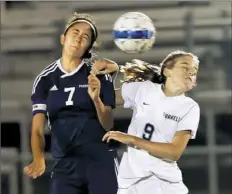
[
  {"x": 154, "y": 185},
  {"x": 84, "y": 176}
]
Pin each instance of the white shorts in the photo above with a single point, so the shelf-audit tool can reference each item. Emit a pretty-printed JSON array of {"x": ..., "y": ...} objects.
[{"x": 154, "y": 185}]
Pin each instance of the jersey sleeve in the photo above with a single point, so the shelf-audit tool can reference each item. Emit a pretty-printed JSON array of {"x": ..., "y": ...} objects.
[
  {"x": 39, "y": 96},
  {"x": 107, "y": 91},
  {"x": 190, "y": 121},
  {"x": 129, "y": 92}
]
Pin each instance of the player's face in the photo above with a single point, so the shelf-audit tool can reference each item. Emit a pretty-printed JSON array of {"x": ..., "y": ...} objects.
[
  {"x": 184, "y": 73},
  {"x": 77, "y": 39}
]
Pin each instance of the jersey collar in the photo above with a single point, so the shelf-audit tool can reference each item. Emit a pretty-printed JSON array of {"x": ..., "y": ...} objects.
[
  {"x": 66, "y": 74},
  {"x": 163, "y": 95}
]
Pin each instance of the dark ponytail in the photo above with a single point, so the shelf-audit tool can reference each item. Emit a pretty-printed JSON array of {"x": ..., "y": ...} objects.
[{"x": 159, "y": 79}]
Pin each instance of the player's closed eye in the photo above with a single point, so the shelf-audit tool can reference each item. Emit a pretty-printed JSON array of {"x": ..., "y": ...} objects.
[
  {"x": 86, "y": 37},
  {"x": 189, "y": 70},
  {"x": 75, "y": 32},
  {"x": 185, "y": 68}
]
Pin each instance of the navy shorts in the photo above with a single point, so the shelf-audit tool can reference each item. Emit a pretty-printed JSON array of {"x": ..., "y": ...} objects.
[{"x": 85, "y": 175}]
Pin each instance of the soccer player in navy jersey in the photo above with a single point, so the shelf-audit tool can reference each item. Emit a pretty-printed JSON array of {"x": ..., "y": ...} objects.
[{"x": 78, "y": 106}]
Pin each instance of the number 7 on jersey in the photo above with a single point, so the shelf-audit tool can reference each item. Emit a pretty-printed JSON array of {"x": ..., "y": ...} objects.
[{"x": 71, "y": 91}]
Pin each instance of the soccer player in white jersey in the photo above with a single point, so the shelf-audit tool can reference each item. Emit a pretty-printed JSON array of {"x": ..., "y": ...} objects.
[{"x": 163, "y": 122}]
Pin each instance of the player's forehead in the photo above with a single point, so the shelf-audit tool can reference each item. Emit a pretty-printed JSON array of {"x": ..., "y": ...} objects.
[
  {"x": 186, "y": 61},
  {"x": 81, "y": 26}
]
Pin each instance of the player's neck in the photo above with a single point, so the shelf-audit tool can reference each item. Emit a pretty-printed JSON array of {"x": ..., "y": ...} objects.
[
  {"x": 69, "y": 64},
  {"x": 171, "y": 90}
]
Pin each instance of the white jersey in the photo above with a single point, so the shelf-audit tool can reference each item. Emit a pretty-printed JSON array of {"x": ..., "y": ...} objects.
[{"x": 157, "y": 118}]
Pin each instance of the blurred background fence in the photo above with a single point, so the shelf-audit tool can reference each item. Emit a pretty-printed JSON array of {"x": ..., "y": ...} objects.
[{"x": 30, "y": 41}]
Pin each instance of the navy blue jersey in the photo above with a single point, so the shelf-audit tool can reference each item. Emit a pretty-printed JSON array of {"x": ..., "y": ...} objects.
[{"x": 64, "y": 98}]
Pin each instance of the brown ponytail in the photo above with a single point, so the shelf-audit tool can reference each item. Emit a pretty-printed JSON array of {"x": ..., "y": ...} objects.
[{"x": 138, "y": 71}]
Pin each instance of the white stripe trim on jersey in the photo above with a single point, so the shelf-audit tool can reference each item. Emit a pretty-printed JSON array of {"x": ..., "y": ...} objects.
[
  {"x": 48, "y": 68},
  {"x": 108, "y": 77},
  {"x": 39, "y": 107},
  {"x": 49, "y": 122},
  {"x": 114, "y": 81},
  {"x": 66, "y": 74},
  {"x": 116, "y": 166},
  {"x": 45, "y": 72}
]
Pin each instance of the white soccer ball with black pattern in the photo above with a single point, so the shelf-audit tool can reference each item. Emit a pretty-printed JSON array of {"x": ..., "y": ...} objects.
[{"x": 134, "y": 32}]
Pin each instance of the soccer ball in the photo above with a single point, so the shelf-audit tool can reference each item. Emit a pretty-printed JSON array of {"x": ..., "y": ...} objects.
[{"x": 134, "y": 32}]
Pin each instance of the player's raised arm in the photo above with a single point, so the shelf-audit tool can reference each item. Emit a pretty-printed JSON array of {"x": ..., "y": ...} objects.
[
  {"x": 187, "y": 128},
  {"x": 104, "y": 66},
  {"x": 102, "y": 94},
  {"x": 135, "y": 71}
]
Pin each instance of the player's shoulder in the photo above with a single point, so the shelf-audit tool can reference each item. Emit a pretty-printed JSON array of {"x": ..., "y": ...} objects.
[
  {"x": 140, "y": 87},
  {"x": 49, "y": 69},
  {"x": 145, "y": 84},
  {"x": 190, "y": 100},
  {"x": 189, "y": 103},
  {"x": 148, "y": 86},
  {"x": 42, "y": 78}
]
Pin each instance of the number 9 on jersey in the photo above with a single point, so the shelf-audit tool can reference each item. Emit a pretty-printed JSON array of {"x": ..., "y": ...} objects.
[{"x": 148, "y": 131}]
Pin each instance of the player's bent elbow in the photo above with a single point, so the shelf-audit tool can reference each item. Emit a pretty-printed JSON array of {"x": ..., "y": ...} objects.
[
  {"x": 119, "y": 100},
  {"x": 173, "y": 153},
  {"x": 115, "y": 67},
  {"x": 176, "y": 155},
  {"x": 112, "y": 66},
  {"x": 108, "y": 126},
  {"x": 107, "y": 121},
  {"x": 173, "y": 157}
]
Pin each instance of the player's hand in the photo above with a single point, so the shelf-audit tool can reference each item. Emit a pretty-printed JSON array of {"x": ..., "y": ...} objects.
[
  {"x": 118, "y": 136},
  {"x": 94, "y": 87},
  {"x": 36, "y": 168},
  {"x": 99, "y": 67}
]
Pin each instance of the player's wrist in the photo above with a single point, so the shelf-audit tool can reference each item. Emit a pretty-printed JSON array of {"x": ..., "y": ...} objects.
[
  {"x": 97, "y": 100},
  {"x": 40, "y": 159}
]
